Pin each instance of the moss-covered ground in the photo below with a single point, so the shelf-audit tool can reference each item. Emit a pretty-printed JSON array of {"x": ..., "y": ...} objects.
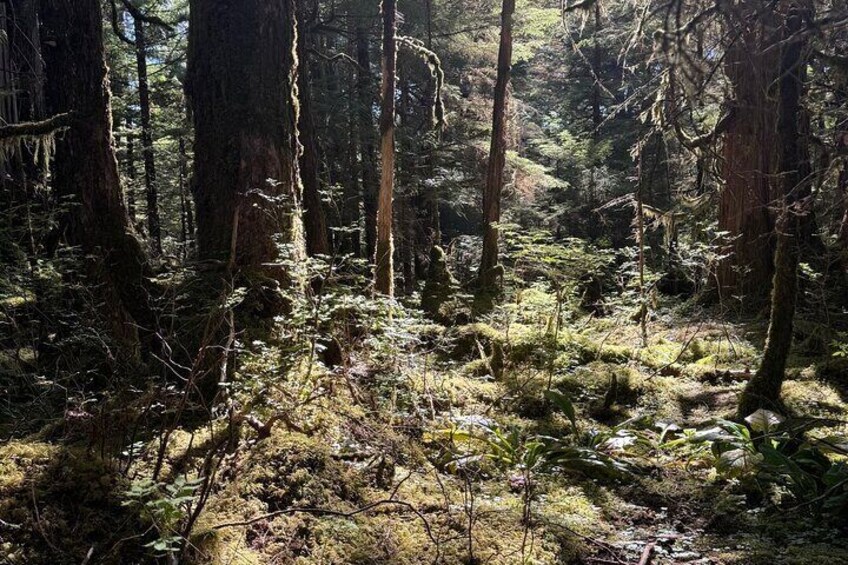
[{"x": 359, "y": 472}]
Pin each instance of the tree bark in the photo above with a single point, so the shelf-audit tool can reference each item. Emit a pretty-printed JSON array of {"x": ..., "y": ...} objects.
[
  {"x": 384, "y": 260},
  {"x": 749, "y": 157},
  {"x": 489, "y": 272},
  {"x": 367, "y": 150},
  {"x": 131, "y": 170},
  {"x": 763, "y": 390},
  {"x": 351, "y": 241},
  {"x": 85, "y": 171},
  {"x": 241, "y": 74},
  {"x": 186, "y": 214},
  {"x": 148, "y": 158},
  {"x": 314, "y": 218}
]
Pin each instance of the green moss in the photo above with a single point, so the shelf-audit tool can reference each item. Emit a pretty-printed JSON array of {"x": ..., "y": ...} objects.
[
  {"x": 78, "y": 498},
  {"x": 465, "y": 339}
]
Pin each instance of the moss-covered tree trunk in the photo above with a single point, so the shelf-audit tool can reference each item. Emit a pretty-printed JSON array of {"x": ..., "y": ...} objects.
[
  {"x": 154, "y": 229},
  {"x": 489, "y": 271},
  {"x": 241, "y": 74},
  {"x": 85, "y": 171},
  {"x": 384, "y": 260},
  {"x": 314, "y": 217},
  {"x": 763, "y": 390}
]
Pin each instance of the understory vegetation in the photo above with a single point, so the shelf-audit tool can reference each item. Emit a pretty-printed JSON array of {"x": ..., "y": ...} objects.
[{"x": 537, "y": 433}]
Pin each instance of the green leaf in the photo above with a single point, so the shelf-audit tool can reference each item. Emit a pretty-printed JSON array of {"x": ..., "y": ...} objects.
[
  {"x": 764, "y": 420},
  {"x": 565, "y": 405}
]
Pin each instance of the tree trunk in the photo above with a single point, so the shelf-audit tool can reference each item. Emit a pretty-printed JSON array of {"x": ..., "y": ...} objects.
[
  {"x": 489, "y": 271},
  {"x": 131, "y": 171},
  {"x": 186, "y": 215},
  {"x": 153, "y": 225},
  {"x": 763, "y": 390},
  {"x": 85, "y": 171},
  {"x": 351, "y": 195},
  {"x": 749, "y": 158},
  {"x": 841, "y": 145},
  {"x": 314, "y": 218},
  {"x": 246, "y": 185},
  {"x": 383, "y": 260},
  {"x": 432, "y": 198},
  {"x": 366, "y": 139}
]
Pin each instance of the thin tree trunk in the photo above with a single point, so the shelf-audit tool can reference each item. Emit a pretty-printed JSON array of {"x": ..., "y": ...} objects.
[
  {"x": 597, "y": 55},
  {"x": 489, "y": 271},
  {"x": 314, "y": 218},
  {"x": 763, "y": 390},
  {"x": 131, "y": 171},
  {"x": 365, "y": 126},
  {"x": 85, "y": 171},
  {"x": 153, "y": 225},
  {"x": 841, "y": 143},
  {"x": 246, "y": 185},
  {"x": 432, "y": 199},
  {"x": 186, "y": 229},
  {"x": 351, "y": 195},
  {"x": 384, "y": 260}
]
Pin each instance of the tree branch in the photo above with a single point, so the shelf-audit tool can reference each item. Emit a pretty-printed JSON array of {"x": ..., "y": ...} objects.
[
  {"x": 703, "y": 140},
  {"x": 43, "y": 127},
  {"x": 116, "y": 27},
  {"x": 137, "y": 14}
]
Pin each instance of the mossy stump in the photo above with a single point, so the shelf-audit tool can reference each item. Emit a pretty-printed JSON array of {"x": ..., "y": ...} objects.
[{"x": 440, "y": 288}]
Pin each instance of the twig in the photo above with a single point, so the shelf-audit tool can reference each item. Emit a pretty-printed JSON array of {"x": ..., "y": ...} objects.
[{"x": 647, "y": 554}]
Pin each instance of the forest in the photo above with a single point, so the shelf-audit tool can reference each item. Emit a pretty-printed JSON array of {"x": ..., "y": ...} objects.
[{"x": 449, "y": 282}]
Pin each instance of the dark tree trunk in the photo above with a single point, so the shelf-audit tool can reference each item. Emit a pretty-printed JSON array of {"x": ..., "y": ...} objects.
[
  {"x": 351, "y": 195},
  {"x": 246, "y": 186},
  {"x": 763, "y": 390},
  {"x": 314, "y": 218},
  {"x": 841, "y": 144},
  {"x": 597, "y": 55},
  {"x": 489, "y": 271},
  {"x": 749, "y": 157},
  {"x": 85, "y": 171},
  {"x": 186, "y": 214},
  {"x": 367, "y": 149},
  {"x": 384, "y": 260},
  {"x": 153, "y": 225},
  {"x": 24, "y": 40},
  {"x": 131, "y": 171}
]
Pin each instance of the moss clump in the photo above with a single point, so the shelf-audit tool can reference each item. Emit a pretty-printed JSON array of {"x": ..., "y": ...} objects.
[
  {"x": 78, "y": 500},
  {"x": 292, "y": 469},
  {"x": 441, "y": 287},
  {"x": 465, "y": 339}
]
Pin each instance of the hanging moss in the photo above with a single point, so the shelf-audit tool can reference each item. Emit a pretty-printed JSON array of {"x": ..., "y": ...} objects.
[{"x": 436, "y": 70}]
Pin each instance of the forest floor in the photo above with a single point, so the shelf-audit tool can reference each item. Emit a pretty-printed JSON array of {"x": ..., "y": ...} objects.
[{"x": 404, "y": 456}]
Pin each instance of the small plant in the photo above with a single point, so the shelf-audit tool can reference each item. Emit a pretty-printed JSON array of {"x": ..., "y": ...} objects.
[
  {"x": 593, "y": 452},
  {"x": 771, "y": 450},
  {"x": 166, "y": 507}
]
